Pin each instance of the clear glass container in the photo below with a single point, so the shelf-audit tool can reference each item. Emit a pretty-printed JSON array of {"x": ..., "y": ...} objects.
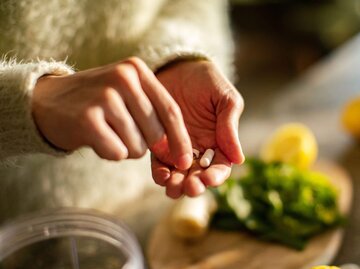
[{"x": 69, "y": 238}]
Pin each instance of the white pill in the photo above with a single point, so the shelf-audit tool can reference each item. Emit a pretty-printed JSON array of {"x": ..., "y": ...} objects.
[
  {"x": 207, "y": 158},
  {"x": 196, "y": 153}
]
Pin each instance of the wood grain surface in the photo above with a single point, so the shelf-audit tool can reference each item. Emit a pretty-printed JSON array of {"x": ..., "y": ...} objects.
[{"x": 236, "y": 250}]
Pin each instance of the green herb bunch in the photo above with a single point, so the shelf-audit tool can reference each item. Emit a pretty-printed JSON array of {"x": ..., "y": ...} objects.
[{"x": 278, "y": 202}]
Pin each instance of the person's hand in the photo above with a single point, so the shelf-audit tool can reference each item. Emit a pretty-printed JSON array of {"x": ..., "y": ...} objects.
[
  {"x": 119, "y": 110},
  {"x": 211, "y": 107}
]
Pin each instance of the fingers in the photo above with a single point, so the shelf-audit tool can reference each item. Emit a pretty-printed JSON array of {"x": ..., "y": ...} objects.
[
  {"x": 172, "y": 180},
  {"x": 218, "y": 172},
  {"x": 177, "y": 182},
  {"x": 229, "y": 110},
  {"x": 121, "y": 121},
  {"x": 174, "y": 185},
  {"x": 139, "y": 105},
  {"x": 193, "y": 186},
  {"x": 103, "y": 139},
  {"x": 194, "y": 181},
  {"x": 170, "y": 115},
  {"x": 160, "y": 172},
  {"x": 198, "y": 178}
]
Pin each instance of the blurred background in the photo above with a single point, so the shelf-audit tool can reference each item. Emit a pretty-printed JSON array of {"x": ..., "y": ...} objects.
[
  {"x": 299, "y": 60},
  {"x": 277, "y": 40}
]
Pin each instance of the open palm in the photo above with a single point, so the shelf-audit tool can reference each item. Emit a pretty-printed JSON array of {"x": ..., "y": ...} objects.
[{"x": 211, "y": 108}]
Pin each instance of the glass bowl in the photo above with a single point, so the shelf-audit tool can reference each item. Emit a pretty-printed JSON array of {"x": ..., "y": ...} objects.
[{"x": 69, "y": 238}]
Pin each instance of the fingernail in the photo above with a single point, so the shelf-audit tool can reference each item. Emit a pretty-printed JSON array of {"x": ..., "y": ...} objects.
[
  {"x": 166, "y": 175},
  {"x": 184, "y": 162}
]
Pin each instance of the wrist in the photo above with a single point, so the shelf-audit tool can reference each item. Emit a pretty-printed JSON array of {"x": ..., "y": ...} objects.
[
  {"x": 181, "y": 61},
  {"x": 42, "y": 86}
]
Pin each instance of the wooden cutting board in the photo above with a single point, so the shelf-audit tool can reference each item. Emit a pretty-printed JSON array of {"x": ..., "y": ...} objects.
[{"x": 238, "y": 250}]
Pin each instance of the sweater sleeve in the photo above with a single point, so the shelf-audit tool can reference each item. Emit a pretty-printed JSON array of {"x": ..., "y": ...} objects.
[
  {"x": 190, "y": 29},
  {"x": 18, "y": 132}
]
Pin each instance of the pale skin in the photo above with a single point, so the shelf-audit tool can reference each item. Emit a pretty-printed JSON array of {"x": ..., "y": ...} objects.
[{"x": 123, "y": 109}]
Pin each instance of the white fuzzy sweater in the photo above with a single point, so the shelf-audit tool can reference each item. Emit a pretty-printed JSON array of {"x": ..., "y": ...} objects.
[{"x": 36, "y": 37}]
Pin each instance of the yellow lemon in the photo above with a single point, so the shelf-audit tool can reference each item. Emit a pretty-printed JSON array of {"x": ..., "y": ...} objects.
[
  {"x": 292, "y": 143},
  {"x": 351, "y": 117},
  {"x": 325, "y": 267}
]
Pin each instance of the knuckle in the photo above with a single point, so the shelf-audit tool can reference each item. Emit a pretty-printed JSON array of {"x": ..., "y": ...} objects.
[
  {"x": 135, "y": 61},
  {"x": 235, "y": 99},
  {"x": 87, "y": 118},
  {"x": 107, "y": 95},
  {"x": 118, "y": 70},
  {"x": 124, "y": 72},
  {"x": 173, "y": 112}
]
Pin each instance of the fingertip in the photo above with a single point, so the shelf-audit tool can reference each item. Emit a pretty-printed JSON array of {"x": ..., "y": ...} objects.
[
  {"x": 122, "y": 152},
  {"x": 242, "y": 159},
  {"x": 184, "y": 162},
  {"x": 218, "y": 172},
  {"x": 239, "y": 159},
  {"x": 174, "y": 185},
  {"x": 160, "y": 176},
  {"x": 173, "y": 195},
  {"x": 115, "y": 152},
  {"x": 233, "y": 151},
  {"x": 160, "y": 172},
  {"x": 173, "y": 192},
  {"x": 216, "y": 179},
  {"x": 194, "y": 187}
]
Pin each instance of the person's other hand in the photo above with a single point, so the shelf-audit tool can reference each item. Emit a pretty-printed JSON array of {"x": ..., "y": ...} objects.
[
  {"x": 119, "y": 110},
  {"x": 211, "y": 108}
]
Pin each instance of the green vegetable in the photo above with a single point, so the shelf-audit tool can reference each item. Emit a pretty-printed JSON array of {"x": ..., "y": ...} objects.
[{"x": 278, "y": 202}]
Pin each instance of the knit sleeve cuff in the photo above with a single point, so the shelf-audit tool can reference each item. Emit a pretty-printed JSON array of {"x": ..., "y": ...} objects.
[
  {"x": 157, "y": 57},
  {"x": 18, "y": 131}
]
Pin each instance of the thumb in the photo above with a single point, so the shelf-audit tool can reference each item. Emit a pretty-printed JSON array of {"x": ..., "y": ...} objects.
[{"x": 228, "y": 113}]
